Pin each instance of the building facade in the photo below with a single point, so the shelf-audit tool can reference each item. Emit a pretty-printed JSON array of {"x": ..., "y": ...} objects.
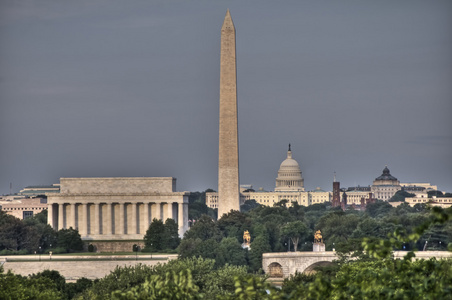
[
  {"x": 116, "y": 208},
  {"x": 434, "y": 201},
  {"x": 290, "y": 186},
  {"x": 385, "y": 186},
  {"x": 24, "y": 208}
]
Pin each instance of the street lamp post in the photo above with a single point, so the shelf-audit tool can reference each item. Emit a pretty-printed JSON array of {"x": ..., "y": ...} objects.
[
  {"x": 39, "y": 253},
  {"x": 135, "y": 248}
]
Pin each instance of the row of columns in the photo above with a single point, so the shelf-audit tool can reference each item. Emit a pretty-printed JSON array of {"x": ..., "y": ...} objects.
[
  {"x": 84, "y": 224},
  {"x": 288, "y": 182}
]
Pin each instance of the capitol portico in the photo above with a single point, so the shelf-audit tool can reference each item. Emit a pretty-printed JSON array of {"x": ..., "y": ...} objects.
[{"x": 116, "y": 208}]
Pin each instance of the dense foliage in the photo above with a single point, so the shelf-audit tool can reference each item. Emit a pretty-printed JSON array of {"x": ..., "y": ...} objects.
[
  {"x": 281, "y": 228},
  {"x": 177, "y": 279},
  {"x": 375, "y": 275},
  {"x": 161, "y": 237},
  {"x": 35, "y": 235},
  {"x": 43, "y": 285},
  {"x": 214, "y": 265}
]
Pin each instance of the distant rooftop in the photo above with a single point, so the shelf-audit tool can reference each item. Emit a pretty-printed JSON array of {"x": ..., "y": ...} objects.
[{"x": 35, "y": 190}]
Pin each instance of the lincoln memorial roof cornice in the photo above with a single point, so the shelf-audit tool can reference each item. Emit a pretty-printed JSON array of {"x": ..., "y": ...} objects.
[{"x": 171, "y": 194}]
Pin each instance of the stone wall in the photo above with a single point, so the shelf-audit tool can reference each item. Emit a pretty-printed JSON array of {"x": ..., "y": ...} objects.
[
  {"x": 73, "y": 270},
  {"x": 113, "y": 246}
]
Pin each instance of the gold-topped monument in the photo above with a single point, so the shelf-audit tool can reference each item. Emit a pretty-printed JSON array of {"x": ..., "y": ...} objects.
[
  {"x": 246, "y": 240},
  {"x": 318, "y": 245},
  {"x": 318, "y": 237}
]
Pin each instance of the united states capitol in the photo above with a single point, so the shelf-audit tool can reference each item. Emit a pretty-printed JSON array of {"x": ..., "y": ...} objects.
[{"x": 289, "y": 186}]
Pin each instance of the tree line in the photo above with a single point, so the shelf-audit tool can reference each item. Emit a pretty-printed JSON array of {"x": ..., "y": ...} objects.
[
  {"x": 34, "y": 235},
  {"x": 373, "y": 274},
  {"x": 213, "y": 264},
  {"x": 282, "y": 228}
]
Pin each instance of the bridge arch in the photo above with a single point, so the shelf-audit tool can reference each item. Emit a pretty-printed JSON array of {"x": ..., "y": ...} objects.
[
  {"x": 275, "y": 270},
  {"x": 279, "y": 265},
  {"x": 312, "y": 268}
]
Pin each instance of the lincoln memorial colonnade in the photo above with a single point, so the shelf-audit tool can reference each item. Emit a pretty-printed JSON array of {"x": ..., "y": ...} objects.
[{"x": 116, "y": 208}]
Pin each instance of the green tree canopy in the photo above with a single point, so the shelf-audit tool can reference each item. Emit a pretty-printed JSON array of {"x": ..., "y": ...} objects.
[
  {"x": 155, "y": 238},
  {"x": 234, "y": 225},
  {"x": 296, "y": 231},
  {"x": 400, "y": 196},
  {"x": 231, "y": 252},
  {"x": 69, "y": 239},
  {"x": 22, "y": 288},
  {"x": 249, "y": 205},
  {"x": 16, "y": 235},
  {"x": 378, "y": 209},
  {"x": 259, "y": 246},
  {"x": 205, "y": 228},
  {"x": 171, "y": 234}
]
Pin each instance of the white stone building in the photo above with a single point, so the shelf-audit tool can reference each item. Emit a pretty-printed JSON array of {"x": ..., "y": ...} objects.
[
  {"x": 24, "y": 208},
  {"x": 434, "y": 201},
  {"x": 116, "y": 208},
  {"x": 385, "y": 186},
  {"x": 354, "y": 197}
]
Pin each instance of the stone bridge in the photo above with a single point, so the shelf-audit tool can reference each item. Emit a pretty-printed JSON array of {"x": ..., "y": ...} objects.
[{"x": 283, "y": 264}]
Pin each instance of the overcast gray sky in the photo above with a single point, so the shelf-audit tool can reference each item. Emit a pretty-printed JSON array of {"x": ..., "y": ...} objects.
[{"x": 131, "y": 88}]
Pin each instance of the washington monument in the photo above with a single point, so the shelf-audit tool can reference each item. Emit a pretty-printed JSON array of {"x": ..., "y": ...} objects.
[{"x": 228, "y": 162}]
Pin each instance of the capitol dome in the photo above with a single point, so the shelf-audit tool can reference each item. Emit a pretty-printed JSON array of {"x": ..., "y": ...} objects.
[{"x": 289, "y": 175}]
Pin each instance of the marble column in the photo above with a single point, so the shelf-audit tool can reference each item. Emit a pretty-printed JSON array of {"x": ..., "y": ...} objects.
[
  {"x": 96, "y": 218},
  {"x": 50, "y": 215},
  {"x": 121, "y": 218},
  {"x": 156, "y": 211},
  {"x": 182, "y": 220},
  {"x": 146, "y": 216},
  {"x": 134, "y": 218},
  {"x": 169, "y": 211},
  {"x": 73, "y": 216},
  {"x": 60, "y": 216},
  {"x": 85, "y": 218},
  {"x": 108, "y": 229}
]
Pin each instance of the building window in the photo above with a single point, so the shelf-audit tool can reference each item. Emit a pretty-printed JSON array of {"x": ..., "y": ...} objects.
[{"x": 27, "y": 214}]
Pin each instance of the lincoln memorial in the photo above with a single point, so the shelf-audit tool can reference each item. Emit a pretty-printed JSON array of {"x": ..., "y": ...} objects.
[{"x": 116, "y": 208}]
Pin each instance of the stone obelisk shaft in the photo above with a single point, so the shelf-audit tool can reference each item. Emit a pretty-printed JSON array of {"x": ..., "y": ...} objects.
[{"x": 228, "y": 162}]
